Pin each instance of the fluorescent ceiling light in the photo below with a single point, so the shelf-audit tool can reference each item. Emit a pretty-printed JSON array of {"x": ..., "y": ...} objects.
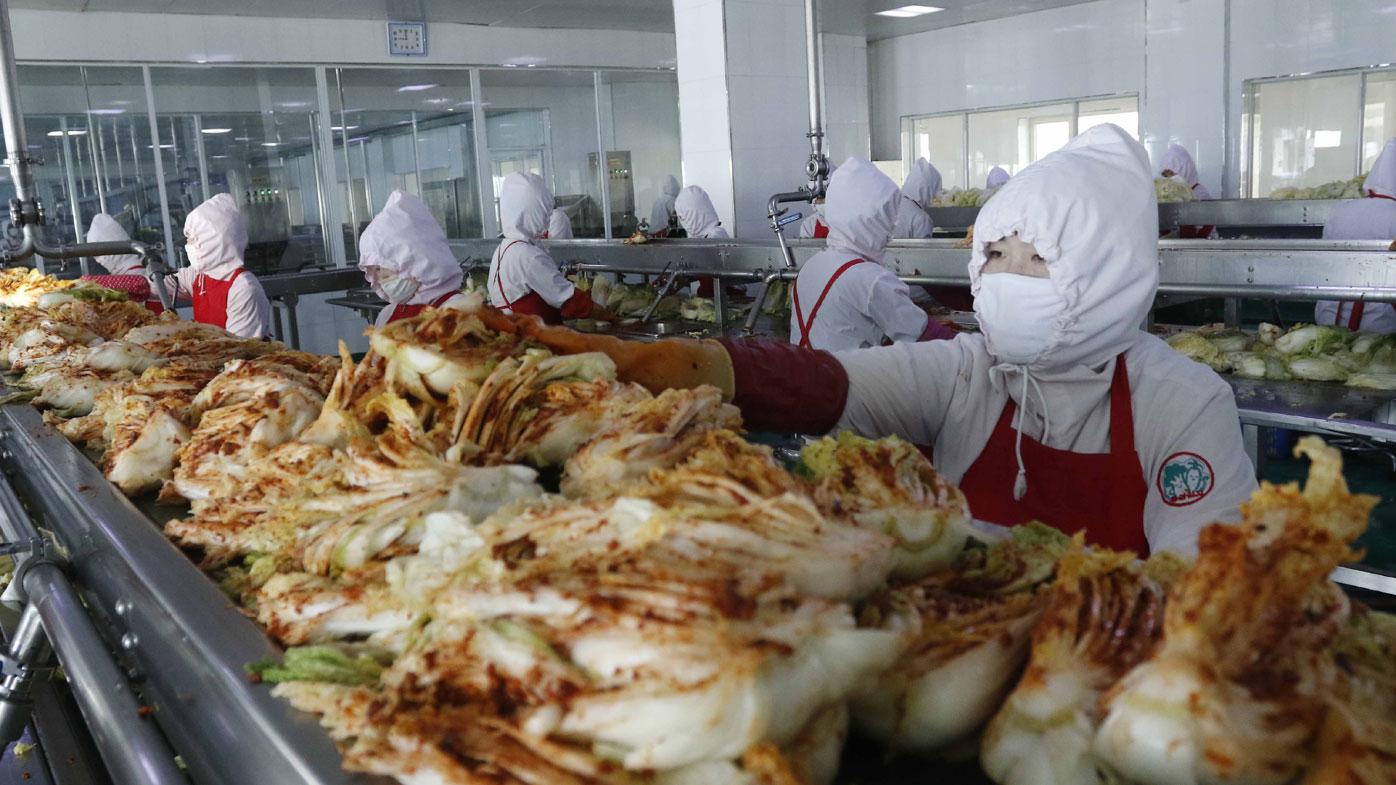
[
  {"x": 292, "y": 104},
  {"x": 908, "y": 11},
  {"x": 217, "y": 130},
  {"x": 70, "y": 133},
  {"x": 437, "y": 100},
  {"x": 341, "y": 128},
  {"x": 105, "y": 111},
  {"x": 269, "y": 144},
  {"x": 242, "y": 138},
  {"x": 412, "y": 88},
  {"x": 1328, "y": 138}
]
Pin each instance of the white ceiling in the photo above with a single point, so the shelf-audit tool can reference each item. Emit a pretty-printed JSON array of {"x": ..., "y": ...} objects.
[{"x": 837, "y": 16}]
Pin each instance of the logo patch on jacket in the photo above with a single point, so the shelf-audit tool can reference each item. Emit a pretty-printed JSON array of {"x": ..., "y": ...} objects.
[{"x": 1185, "y": 478}]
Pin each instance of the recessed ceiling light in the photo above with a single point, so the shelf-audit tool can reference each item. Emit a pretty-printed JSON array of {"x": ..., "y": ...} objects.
[
  {"x": 908, "y": 11},
  {"x": 105, "y": 111},
  {"x": 412, "y": 88},
  {"x": 217, "y": 130},
  {"x": 269, "y": 144},
  {"x": 70, "y": 133}
]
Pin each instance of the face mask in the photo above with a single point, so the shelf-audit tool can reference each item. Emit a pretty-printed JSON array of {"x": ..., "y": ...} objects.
[
  {"x": 1017, "y": 314},
  {"x": 396, "y": 290}
]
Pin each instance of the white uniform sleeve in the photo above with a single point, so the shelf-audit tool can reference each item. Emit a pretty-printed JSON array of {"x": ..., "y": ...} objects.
[
  {"x": 544, "y": 278},
  {"x": 1199, "y": 477},
  {"x": 904, "y": 389},
  {"x": 890, "y": 306},
  {"x": 249, "y": 310},
  {"x": 181, "y": 284}
]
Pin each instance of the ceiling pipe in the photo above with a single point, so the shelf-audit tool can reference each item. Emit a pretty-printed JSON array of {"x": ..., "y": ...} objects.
[{"x": 26, "y": 211}]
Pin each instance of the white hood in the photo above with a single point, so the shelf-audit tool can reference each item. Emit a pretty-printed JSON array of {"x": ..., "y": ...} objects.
[
  {"x": 1179, "y": 161},
  {"x": 664, "y": 205},
  {"x": 216, "y": 236},
  {"x": 559, "y": 225},
  {"x": 997, "y": 177},
  {"x": 861, "y": 210},
  {"x": 696, "y": 212},
  {"x": 105, "y": 229},
  {"x": 922, "y": 183},
  {"x": 1382, "y": 179},
  {"x": 524, "y": 207},
  {"x": 406, "y": 239}
]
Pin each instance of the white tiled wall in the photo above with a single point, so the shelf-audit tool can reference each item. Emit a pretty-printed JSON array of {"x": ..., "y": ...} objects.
[
  {"x": 1183, "y": 97},
  {"x": 704, "y": 129},
  {"x": 845, "y": 82},
  {"x": 1079, "y": 50}
]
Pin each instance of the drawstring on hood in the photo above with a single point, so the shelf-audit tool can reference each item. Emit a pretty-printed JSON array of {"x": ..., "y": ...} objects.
[
  {"x": 861, "y": 210},
  {"x": 1381, "y": 181},
  {"x": 922, "y": 183},
  {"x": 216, "y": 236},
  {"x": 1090, "y": 211},
  {"x": 404, "y": 239},
  {"x": 524, "y": 207},
  {"x": 696, "y": 212}
]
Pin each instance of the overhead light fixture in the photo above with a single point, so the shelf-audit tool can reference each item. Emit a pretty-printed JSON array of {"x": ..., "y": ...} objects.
[
  {"x": 218, "y": 156},
  {"x": 217, "y": 130},
  {"x": 908, "y": 11},
  {"x": 292, "y": 104},
  {"x": 105, "y": 111},
  {"x": 437, "y": 100},
  {"x": 70, "y": 133},
  {"x": 412, "y": 88},
  {"x": 269, "y": 144},
  {"x": 343, "y": 128},
  {"x": 242, "y": 138}
]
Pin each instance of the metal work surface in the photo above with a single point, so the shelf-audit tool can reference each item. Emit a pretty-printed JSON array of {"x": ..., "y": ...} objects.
[
  {"x": 182, "y": 637},
  {"x": 1318, "y": 407},
  {"x": 336, "y": 279},
  {"x": 1246, "y": 212}
]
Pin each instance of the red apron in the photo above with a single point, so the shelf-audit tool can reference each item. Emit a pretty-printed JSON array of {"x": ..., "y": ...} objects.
[
  {"x": 1101, "y": 494},
  {"x": 795, "y": 293},
  {"x": 533, "y": 303},
  {"x": 137, "y": 287},
  {"x": 820, "y": 230},
  {"x": 210, "y": 298},
  {"x": 405, "y": 311}
]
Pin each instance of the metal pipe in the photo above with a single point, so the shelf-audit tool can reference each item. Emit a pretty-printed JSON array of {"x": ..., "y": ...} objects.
[
  {"x": 132, "y": 747},
  {"x": 755, "y": 313},
  {"x": 11, "y": 121},
  {"x": 815, "y": 62},
  {"x": 28, "y": 652}
]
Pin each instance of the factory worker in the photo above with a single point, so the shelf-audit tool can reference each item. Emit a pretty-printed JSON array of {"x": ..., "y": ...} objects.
[
  {"x": 921, "y": 186},
  {"x": 224, "y": 293},
  {"x": 813, "y": 227},
  {"x": 105, "y": 229},
  {"x": 1062, "y": 410},
  {"x": 843, "y": 297},
  {"x": 559, "y": 225},
  {"x": 523, "y": 278},
  {"x": 404, "y": 255},
  {"x": 1177, "y": 162},
  {"x": 662, "y": 214},
  {"x": 1370, "y": 218},
  {"x": 699, "y": 220},
  {"x": 997, "y": 177}
]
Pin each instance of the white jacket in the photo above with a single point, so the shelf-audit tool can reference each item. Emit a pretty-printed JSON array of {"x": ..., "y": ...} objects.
[
  {"x": 997, "y": 177},
  {"x": 921, "y": 186},
  {"x": 1365, "y": 219},
  {"x": 404, "y": 238},
  {"x": 697, "y": 215},
  {"x": 105, "y": 229},
  {"x": 559, "y": 225},
  {"x": 216, "y": 236},
  {"x": 663, "y": 207},
  {"x": 521, "y": 265},
  {"x": 1179, "y": 161},
  {"x": 807, "y": 226},
  {"x": 1090, "y": 211},
  {"x": 866, "y": 303}
]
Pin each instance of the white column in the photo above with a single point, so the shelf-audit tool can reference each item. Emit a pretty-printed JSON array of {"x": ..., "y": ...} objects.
[
  {"x": 1182, "y": 101},
  {"x": 743, "y": 109}
]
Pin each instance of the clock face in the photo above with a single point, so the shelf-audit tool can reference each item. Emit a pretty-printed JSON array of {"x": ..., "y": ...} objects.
[{"x": 407, "y": 38}]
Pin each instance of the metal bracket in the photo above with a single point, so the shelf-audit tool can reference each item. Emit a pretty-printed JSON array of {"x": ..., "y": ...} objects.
[{"x": 40, "y": 550}]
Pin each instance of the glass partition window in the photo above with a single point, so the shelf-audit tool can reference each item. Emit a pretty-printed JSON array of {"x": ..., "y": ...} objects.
[
  {"x": 408, "y": 129},
  {"x": 252, "y": 133},
  {"x": 1378, "y": 115},
  {"x": 1304, "y": 132},
  {"x": 640, "y": 130},
  {"x": 965, "y": 146}
]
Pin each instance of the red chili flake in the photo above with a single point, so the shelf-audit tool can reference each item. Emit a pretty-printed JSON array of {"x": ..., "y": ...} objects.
[{"x": 146, "y": 711}]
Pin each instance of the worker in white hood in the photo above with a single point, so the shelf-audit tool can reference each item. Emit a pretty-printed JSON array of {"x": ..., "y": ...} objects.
[
  {"x": 523, "y": 278},
  {"x": 559, "y": 225},
  {"x": 700, "y": 221},
  {"x": 921, "y": 186},
  {"x": 1370, "y": 218},
  {"x": 105, "y": 229},
  {"x": 405, "y": 257},
  {"x": 1177, "y": 162},
  {"x": 224, "y": 293},
  {"x": 997, "y": 177},
  {"x": 662, "y": 214},
  {"x": 1062, "y": 410},
  {"x": 843, "y": 297}
]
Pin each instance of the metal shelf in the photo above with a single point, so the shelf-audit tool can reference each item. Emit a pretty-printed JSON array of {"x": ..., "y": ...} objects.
[{"x": 1233, "y": 213}]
